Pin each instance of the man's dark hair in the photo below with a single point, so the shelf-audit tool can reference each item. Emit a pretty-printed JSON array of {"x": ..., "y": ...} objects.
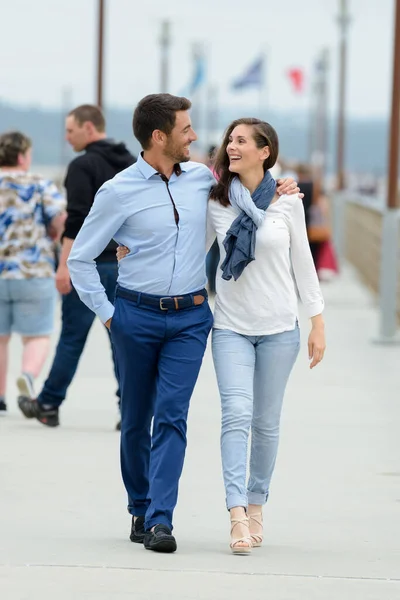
[
  {"x": 89, "y": 112},
  {"x": 156, "y": 111}
]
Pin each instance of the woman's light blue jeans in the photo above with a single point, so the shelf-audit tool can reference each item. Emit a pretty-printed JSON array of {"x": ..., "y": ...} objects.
[{"x": 252, "y": 373}]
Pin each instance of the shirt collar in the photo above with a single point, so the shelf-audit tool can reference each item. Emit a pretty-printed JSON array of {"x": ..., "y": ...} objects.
[{"x": 148, "y": 171}]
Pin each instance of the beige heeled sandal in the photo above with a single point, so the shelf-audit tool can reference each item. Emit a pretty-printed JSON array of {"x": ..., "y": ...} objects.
[
  {"x": 256, "y": 538},
  {"x": 244, "y": 540}
]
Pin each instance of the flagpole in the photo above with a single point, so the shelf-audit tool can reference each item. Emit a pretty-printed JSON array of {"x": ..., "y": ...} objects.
[
  {"x": 322, "y": 115},
  {"x": 311, "y": 131},
  {"x": 100, "y": 53},
  {"x": 212, "y": 114},
  {"x": 196, "y": 111},
  {"x": 263, "y": 86},
  {"x": 319, "y": 115},
  {"x": 165, "y": 43}
]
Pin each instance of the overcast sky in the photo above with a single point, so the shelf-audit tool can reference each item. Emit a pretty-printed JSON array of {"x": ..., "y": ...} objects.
[{"x": 49, "y": 45}]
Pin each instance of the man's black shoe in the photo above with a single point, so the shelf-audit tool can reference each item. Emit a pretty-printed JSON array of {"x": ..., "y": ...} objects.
[
  {"x": 160, "y": 540},
  {"x": 3, "y": 405},
  {"x": 137, "y": 530},
  {"x": 31, "y": 409}
]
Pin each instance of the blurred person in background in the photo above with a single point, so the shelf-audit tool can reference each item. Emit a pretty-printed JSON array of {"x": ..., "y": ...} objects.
[
  {"x": 32, "y": 215},
  {"x": 211, "y": 157},
  {"x": 305, "y": 176},
  {"x": 101, "y": 160},
  {"x": 304, "y": 173},
  {"x": 284, "y": 167},
  {"x": 316, "y": 207}
]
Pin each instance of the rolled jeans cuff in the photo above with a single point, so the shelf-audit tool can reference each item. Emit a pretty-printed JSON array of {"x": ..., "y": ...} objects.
[
  {"x": 257, "y": 499},
  {"x": 234, "y": 500}
]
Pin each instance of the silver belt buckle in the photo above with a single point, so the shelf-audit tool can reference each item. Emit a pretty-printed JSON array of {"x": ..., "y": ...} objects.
[{"x": 161, "y": 302}]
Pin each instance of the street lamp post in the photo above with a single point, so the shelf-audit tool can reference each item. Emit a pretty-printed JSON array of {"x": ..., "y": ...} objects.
[
  {"x": 391, "y": 214},
  {"x": 320, "y": 115},
  {"x": 100, "y": 52},
  {"x": 344, "y": 21},
  {"x": 165, "y": 42}
]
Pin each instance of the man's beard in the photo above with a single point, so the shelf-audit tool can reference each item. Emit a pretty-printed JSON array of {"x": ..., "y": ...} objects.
[{"x": 175, "y": 154}]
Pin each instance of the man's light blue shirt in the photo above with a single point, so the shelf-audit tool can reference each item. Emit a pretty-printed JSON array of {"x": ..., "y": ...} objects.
[{"x": 135, "y": 209}]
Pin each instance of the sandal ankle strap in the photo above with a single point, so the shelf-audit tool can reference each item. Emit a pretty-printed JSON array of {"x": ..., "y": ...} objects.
[
  {"x": 244, "y": 521},
  {"x": 254, "y": 518}
]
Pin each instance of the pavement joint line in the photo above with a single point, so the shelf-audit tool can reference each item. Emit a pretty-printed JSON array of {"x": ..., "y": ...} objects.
[{"x": 205, "y": 571}]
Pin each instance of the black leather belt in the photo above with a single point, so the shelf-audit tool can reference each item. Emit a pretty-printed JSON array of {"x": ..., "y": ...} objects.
[{"x": 164, "y": 302}]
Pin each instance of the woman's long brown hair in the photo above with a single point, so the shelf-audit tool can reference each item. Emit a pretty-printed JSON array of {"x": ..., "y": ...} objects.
[{"x": 264, "y": 135}]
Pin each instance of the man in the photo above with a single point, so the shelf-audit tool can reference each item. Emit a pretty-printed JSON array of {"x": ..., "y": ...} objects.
[
  {"x": 102, "y": 159},
  {"x": 161, "y": 319}
]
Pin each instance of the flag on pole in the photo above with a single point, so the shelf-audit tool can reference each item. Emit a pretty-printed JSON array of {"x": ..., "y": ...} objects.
[
  {"x": 253, "y": 76},
  {"x": 296, "y": 76},
  {"x": 199, "y": 73}
]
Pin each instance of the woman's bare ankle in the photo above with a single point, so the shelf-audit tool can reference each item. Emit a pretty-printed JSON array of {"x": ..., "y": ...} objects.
[
  {"x": 254, "y": 509},
  {"x": 238, "y": 512}
]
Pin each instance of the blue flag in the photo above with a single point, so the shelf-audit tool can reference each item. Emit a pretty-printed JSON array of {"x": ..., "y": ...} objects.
[
  {"x": 253, "y": 76},
  {"x": 199, "y": 74}
]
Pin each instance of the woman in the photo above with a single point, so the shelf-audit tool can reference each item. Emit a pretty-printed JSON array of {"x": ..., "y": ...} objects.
[
  {"x": 255, "y": 340},
  {"x": 31, "y": 217}
]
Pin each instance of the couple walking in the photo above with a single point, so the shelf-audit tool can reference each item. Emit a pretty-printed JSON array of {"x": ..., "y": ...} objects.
[{"x": 167, "y": 211}]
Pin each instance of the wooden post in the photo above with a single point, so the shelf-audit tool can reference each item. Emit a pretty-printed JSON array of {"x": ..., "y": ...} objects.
[{"x": 393, "y": 166}]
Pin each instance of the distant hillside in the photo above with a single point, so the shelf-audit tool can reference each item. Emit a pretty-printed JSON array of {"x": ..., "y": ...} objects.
[{"x": 365, "y": 153}]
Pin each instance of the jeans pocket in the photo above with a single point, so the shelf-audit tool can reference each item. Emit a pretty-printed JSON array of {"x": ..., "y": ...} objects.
[
  {"x": 112, "y": 324},
  {"x": 114, "y": 318}
]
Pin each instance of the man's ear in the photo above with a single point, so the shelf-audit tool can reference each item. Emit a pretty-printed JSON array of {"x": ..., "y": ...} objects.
[
  {"x": 88, "y": 127},
  {"x": 158, "y": 137}
]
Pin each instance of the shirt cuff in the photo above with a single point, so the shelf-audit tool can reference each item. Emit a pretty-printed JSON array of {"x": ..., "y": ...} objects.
[
  {"x": 71, "y": 230},
  {"x": 314, "y": 309},
  {"x": 105, "y": 312}
]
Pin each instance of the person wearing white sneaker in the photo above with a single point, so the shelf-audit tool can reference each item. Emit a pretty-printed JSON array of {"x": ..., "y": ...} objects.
[
  {"x": 32, "y": 215},
  {"x": 25, "y": 385}
]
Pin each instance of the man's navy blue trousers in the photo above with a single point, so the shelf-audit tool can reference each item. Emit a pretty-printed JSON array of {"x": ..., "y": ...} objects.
[{"x": 158, "y": 355}]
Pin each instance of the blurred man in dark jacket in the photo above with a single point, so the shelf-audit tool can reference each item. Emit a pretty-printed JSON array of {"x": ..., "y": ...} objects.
[{"x": 101, "y": 161}]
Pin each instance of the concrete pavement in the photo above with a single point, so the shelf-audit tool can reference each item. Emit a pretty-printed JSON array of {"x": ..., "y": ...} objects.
[{"x": 332, "y": 522}]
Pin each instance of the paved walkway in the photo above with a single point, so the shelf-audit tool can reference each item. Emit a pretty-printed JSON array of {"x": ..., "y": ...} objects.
[{"x": 332, "y": 524}]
